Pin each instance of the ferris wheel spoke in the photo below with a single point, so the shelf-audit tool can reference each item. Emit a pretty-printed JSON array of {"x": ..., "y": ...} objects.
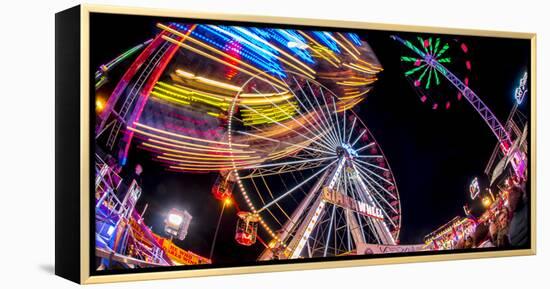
[
  {"x": 306, "y": 118},
  {"x": 284, "y": 142},
  {"x": 369, "y": 171},
  {"x": 294, "y": 119},
  {"x": 263, "y": 202},
  {"x": 319, "y": 110},
  {"x": 284, "y": 164},
  {"x": 285, "y": 126},
  {"x": 340, "y": 131},
  {"x": 317, "y": 119},
  {"x": 324, "y": 127},
  {"x": 369, "y": 156},
  {"x": 351, "y": 130},
  {"x": 335, "y": 113},
  {"x": 358, "y": 137},
  {"x": 271, "y": 194},
  {"x": 281, "y": 171},
  {"x": 374, "y": 181},
  {"x": 370, "y": 188},
  {"x": 374, "y": 166},
  {"x": 344, "y": 125},
  {"x": 365, "y": 146},
  {"x": 296, "y": 187},
  {"x": 375, "y": 198},
  {"x": 327, "y": 116}
]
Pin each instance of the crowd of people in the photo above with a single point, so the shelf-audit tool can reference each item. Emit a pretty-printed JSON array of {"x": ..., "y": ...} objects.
[{"x": 503, "y": 224}]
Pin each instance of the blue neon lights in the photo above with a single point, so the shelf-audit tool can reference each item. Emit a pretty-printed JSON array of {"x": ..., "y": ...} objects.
[{"x": 257, "y": 44}]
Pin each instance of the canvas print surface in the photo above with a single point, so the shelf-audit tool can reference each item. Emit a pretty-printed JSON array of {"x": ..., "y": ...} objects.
[{"x": 229, "y": 144}]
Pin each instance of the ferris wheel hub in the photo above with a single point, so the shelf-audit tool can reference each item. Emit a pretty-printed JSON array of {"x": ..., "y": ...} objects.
[{"x": 346, "y": 151}]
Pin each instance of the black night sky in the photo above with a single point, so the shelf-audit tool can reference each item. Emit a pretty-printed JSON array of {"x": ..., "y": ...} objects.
[{"x": 433, "y": 154}]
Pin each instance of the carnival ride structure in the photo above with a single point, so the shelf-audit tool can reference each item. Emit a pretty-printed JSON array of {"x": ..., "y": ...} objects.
[
  {"x": 432, "y": 56},
  {"x": 428, "y": 58},
  {"x": 259, "y": 105},
  {"x": 271, "y": 111}
]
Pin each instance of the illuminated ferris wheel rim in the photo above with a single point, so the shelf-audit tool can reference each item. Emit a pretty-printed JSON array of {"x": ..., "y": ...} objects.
[{"x": 338, "y": 149}]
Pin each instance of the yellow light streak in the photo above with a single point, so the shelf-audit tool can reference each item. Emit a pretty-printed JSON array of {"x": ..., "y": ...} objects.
[
  {"x": 349, "y": 105},
  {"x": 186, "y": 90},
  {"x": 180, "y": 142},
  {"x": 320, "y": 53},
  {"x": 370, "y": 69},
  {"x": 228, "y": 100},
  {"x": 349, "y": 43},
  {"x": 185, "y": 137},
  {"x": 206, "y": 164},
  {"x": 192, "y": 96},
  {"x": 208, "y": 81},
  {"x": 373, "y": 66},
  {"x": 200, "y": 169},
  {"x": 341, "y": 45},
  {"x": 168, "y": 98},
  {"x": 185, "y": 74},
  {"x": 356, "y": 68},
  {"x": 197, "y": 154},
  {"x": 198, "y": 149},
  {"x": 264, "y": 94},
  {"x": 319, "y": 45},
  {"x": 202, "y": 162},
  {"x": 291, "y": 107},
  {"x": 356, "y": 95},
  {"x": 356, "y": 83},
  {"x": 227, "y": 63},
  {"x": 184, "y": 157}
]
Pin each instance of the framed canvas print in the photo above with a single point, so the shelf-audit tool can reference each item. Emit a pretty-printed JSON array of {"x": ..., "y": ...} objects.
[{"x": 192, "y": 144}]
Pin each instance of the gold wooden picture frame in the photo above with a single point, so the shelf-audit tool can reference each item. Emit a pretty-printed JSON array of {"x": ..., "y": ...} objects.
[{"x": 180, "y": 130}]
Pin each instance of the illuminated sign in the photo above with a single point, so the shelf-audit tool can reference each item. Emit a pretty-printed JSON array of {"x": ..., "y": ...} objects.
[
  {"x": 178, "y": 255},
  {"x": 521, "y": 90},
  {"x": 347, "y": 202}
]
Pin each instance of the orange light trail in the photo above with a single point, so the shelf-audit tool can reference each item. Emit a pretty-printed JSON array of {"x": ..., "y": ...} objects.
[{"x": 186, "y": 137}]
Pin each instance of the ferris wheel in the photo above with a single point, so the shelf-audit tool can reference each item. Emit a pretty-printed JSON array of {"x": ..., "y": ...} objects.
[{"x": 314, "y": 178}]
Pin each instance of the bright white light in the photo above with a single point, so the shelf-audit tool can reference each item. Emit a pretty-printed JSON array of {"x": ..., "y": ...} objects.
[
  {"x": 110, "y": 230},
  {"x": 300, "y": 45},
  {"x": 521, "y": 90},
  {"x": 175, "y": 219}
]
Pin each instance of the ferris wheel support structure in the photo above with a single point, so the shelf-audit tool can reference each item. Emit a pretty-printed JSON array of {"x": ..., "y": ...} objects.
[
  {"x": 313, "y": 207},
  {"x": 344, "y": 197},
  {"x": 482, "y": 109}
]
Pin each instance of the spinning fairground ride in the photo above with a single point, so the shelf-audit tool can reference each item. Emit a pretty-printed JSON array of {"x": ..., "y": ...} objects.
[{"x": 268, "y": 110}]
